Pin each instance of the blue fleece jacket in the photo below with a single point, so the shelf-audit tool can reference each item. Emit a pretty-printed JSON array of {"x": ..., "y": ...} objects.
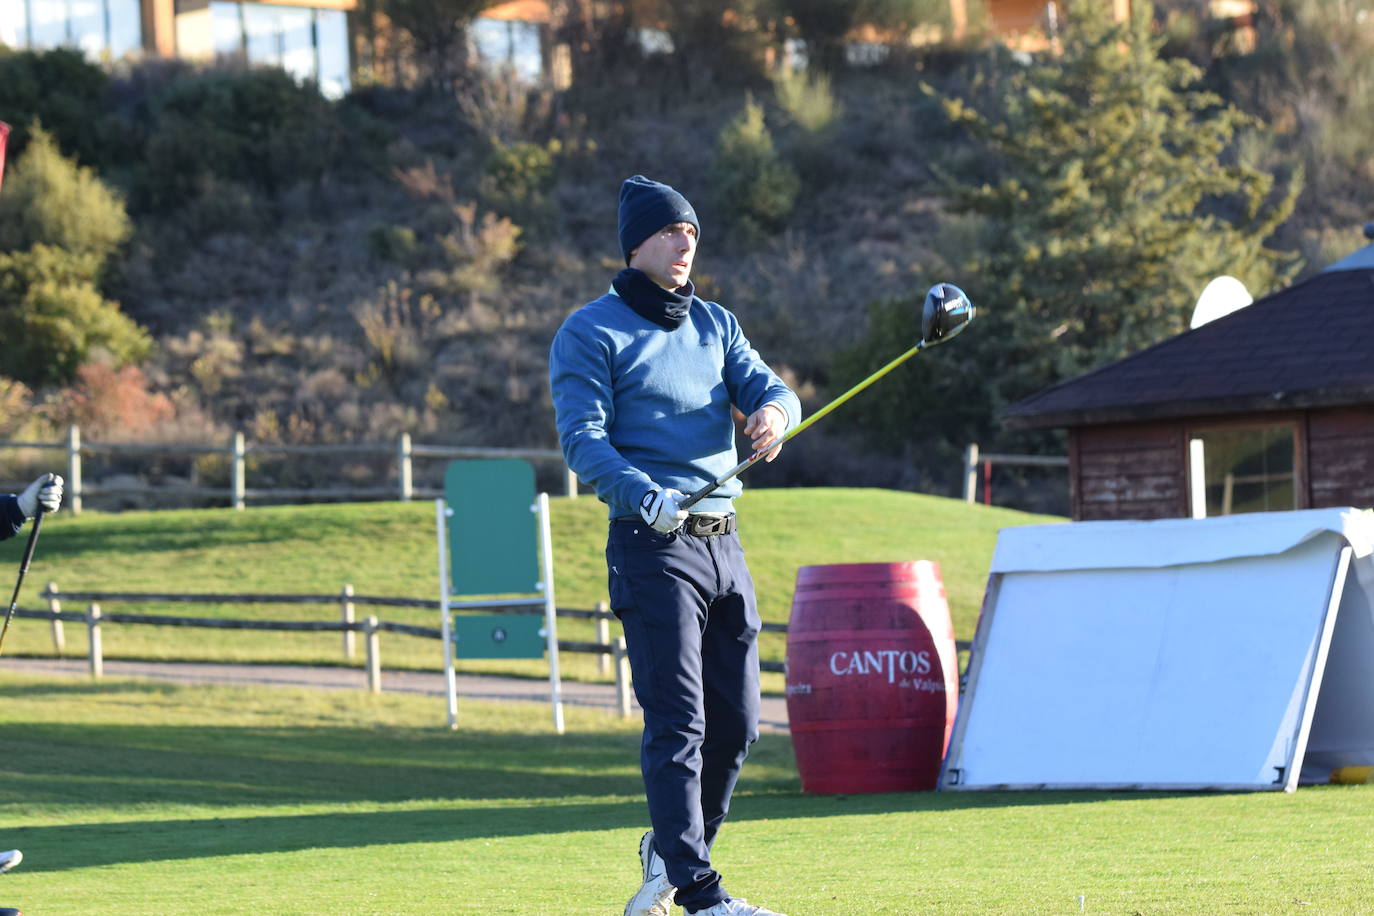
[
  {"x": 11, "y": 518},
  {"x": 639, "y": 406}
]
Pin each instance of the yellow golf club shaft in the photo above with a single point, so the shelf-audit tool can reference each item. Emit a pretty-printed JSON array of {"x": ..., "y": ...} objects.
[{"x": 754, "y": 458}]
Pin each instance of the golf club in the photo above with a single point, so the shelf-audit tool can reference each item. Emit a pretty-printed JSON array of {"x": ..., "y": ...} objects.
[
  {"x": 946, "y": 312},
  {"x": 23, "y": 570}
]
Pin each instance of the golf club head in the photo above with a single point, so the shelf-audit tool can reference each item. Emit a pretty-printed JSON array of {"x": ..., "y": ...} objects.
[{"x": 947, "y": 311}]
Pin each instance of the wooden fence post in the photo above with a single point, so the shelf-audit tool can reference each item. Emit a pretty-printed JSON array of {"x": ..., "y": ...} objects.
[
  {"x": 74, "y": 469},
  {"x": 603, "y": 636},
  {"x": 59, "y": 636},
  {"x": 350, "y": 636},
  {"x": 93, "y": 628},
  {"x": 971, "y": 472},
  {"x": 403, "y": 469},
  {"x": 236, "y": 472},
  {"x": 622, "y": 678},
  {"x": 374, "y": 655}
]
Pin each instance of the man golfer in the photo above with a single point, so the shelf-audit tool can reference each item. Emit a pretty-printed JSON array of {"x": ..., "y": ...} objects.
[
  {"x": 18, "y": 508},
  {"x": 644, "y": 379}
]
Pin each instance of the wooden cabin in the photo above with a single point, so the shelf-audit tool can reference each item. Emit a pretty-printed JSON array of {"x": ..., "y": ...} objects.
[{"x": 1268, "y": 408}]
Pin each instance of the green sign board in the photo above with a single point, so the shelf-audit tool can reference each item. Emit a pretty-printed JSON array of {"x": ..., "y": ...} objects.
[
  {"x": 493, "y": 532},
  {"x": 498, "y": 636}
]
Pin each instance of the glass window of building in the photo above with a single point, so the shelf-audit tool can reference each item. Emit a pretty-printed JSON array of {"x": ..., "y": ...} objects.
[
  {"x": 331, "y": 33},
  {"x": 99, "y": 28},
  {"x": 86, "y": 26},
  {"x": 47, "y": 23},
  {"x": 310, "y": 44},
  {"x": 1237, "y": 469},
  {"x": 509, "y": 44},
  {"x": 14, "y": 24},
  {"x": 126, "y": 28},
  {"x": 226, "y": 27}
]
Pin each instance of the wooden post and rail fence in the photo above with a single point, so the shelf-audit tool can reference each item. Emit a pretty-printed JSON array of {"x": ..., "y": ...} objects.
[
  {"x": 610, "y": 652},
  {"x": 237, "y": 452},
  {"x": 974, "y": 460}
]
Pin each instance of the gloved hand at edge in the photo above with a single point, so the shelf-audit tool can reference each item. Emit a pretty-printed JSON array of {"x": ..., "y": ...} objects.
[
  {"x": 660, "y": 508},
  {"x": 46, "y": 492}
]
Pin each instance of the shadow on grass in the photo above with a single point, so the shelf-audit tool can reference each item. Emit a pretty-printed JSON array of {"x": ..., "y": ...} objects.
[
  {"x": 55, "y": 849},
  {"x": 60, "y": 848},
  {"x": 123, "y": 765}
]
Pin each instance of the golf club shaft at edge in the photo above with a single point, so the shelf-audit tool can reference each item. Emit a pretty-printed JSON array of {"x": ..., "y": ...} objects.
[
  {"x": 23, "y": 570},
  {"x": 754, "y": 458}
]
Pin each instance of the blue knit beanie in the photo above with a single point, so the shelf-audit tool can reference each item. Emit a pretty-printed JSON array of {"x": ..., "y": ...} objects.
[{"x": 646, "y": 206}]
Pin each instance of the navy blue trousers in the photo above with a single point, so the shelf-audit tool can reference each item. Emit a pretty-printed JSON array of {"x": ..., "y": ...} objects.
[{"x": 691, "y": 632}]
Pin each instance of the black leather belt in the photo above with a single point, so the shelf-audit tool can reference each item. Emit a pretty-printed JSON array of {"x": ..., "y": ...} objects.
[{"x": 705, "y": 526}]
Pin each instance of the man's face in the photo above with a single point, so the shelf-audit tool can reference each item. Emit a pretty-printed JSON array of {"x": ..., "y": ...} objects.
[{"x": 666, "y": 256}]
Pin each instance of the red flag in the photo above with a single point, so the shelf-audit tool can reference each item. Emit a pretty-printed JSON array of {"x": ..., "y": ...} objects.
[{"x": 4, "y": 135}]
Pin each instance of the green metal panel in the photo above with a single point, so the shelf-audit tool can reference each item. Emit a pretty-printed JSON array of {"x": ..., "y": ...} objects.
[
  {"x": 498, "y": 636},
  {"x": 493, "y": 535}
]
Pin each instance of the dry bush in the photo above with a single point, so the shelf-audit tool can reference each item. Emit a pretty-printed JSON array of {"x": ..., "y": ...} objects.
[
  {"x": 397, "y": 325},
  {"x": 110, "y": 403}
]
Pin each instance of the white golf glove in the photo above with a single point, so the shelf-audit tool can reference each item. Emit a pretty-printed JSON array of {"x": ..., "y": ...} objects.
[
  {"x": 46, "y": 492},
  {"x": 661, "y": 510}
]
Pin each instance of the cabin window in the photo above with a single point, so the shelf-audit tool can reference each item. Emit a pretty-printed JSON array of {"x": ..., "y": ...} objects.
[{"x": 1235, "y": 469}]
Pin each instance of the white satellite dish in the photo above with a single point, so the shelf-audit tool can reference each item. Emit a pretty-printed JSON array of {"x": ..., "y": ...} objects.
[{"x": 1222, "y": 296}]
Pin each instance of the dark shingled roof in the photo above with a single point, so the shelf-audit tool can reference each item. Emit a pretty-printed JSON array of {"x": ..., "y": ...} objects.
[{"x": 1310, "y": 345}]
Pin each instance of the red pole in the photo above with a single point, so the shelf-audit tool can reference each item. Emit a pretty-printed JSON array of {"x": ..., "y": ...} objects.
[
  {"x": 4, "y": 135},
  {"x": 987, "y": 483}
]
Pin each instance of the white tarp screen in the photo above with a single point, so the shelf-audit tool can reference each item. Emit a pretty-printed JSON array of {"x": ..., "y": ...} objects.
[{"x": 1106, "y": 657}]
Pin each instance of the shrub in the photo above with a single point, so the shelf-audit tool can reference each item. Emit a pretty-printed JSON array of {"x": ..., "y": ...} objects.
[
  {"x": 106, "y": 402},
  {"x": 256, "y": 128},
  {"x": 517, "y": 180},
  {"x": 53, "y": 319},
  {"x": 807, "y": 100},
  {"x": 754, "y": 188},
  {"x": 52, "y": 201},
  {"x": 392, "y": 243},
  {"x": 66, "y": 93}
]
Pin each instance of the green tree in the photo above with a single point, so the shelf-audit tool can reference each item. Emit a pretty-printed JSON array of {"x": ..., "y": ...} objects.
[
  {"x": 1105, "y": 193},
  {"x": 52, "y": 201},
  {"x": 53, "y": 319},
  {"x": 754, "y": 188},
  {"x": 69, "y": 95},
  {"x": 255, "y": 131},
  {"x": 58, "y": 226}
]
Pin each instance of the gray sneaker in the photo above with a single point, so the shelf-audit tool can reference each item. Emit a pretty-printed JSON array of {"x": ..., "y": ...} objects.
[
  {"x": 735, "y": 906},
  {"x": 655, "y": 897},
  {"x": 10, "y": 859}
]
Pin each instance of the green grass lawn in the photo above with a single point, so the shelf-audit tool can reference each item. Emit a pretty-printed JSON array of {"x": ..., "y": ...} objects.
[
  {"x": 138, "y": 798},
  {"x": 389, "y": 549},
  {"x": 134, "y": 798}
]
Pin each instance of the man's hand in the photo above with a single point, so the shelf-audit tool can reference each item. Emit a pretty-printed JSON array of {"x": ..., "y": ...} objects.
[
  {"x": 766, "y": 425},
  {"x": 46, "y": 492},
  {"x": 661, "y": 510}
]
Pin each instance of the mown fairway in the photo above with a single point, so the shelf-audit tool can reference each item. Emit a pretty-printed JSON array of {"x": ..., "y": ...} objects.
[
  {"x": 143, "y": 799},
  {"x": 388, "y": 549},
  {"x": 135, "y": 798}
]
